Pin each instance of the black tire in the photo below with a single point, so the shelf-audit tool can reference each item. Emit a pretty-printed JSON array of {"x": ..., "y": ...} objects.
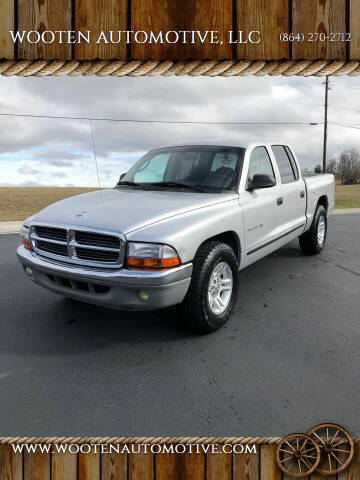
[
  {"x": 195, "y": 308},
  {"x": 309, "y": 242}
]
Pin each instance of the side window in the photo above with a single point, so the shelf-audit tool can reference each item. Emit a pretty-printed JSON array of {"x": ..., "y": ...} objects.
[
  {"x": 287, "y": 171},
  {"x": 293, "y": 163},
  {"x": 260, "y": 163},
  {"x": 153, "y": 171}
]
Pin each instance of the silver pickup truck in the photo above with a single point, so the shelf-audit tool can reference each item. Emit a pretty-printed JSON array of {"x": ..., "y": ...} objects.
[{"x": 177, "y": 228}]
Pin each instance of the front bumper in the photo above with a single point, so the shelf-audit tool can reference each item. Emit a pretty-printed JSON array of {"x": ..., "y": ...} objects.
[{"x": 110, "y": 288}]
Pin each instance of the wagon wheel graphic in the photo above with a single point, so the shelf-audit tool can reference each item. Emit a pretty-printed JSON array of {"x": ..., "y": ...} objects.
[
  {"x": 298, "y": 455},
  {"x": 336, "y": 447}
]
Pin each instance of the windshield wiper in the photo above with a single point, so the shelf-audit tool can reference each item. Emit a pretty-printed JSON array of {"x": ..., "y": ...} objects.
[
  {"x": 126, "y": 182},
  {"x": 177, "y": 184},
  {"x": 132, "y": 184}
]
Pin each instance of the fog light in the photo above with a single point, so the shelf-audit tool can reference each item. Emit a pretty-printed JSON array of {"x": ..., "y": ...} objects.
[
  {"x": 143, "y": 296},
  {"x": 28, "y": 271}
]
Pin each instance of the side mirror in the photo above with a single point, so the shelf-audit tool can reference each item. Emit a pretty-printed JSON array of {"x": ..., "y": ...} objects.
[
  {"x": 122, "y": 176},
  {"x": 260, "y": 181}
]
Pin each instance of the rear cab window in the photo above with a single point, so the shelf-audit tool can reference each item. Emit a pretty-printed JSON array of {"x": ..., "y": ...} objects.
[{"x": 286, "y": 163}]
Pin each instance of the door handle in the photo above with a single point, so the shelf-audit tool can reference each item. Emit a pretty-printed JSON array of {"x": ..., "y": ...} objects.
[
  {"x": 280, "y": 201},
  {"x": 302, "y": 194}
]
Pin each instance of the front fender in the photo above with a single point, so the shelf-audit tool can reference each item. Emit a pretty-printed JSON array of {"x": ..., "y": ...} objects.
[{"x": 186, "y": 232}]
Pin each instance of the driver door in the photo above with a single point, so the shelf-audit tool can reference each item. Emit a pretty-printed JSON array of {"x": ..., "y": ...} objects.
[{"x": 261, "y": 209}]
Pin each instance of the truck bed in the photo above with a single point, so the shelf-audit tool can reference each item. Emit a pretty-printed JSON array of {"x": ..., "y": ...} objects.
[{"x": 317, "y": 186}]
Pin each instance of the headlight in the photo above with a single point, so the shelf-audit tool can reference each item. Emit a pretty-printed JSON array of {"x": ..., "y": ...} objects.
[
  {"x": 25, "y": 237},
  {"x": 151, "y": 255}
]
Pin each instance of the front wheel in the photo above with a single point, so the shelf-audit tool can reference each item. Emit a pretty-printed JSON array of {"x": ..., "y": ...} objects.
[
  {"x": 213, "y": 289},
  {"x": 313, "y": 241}
]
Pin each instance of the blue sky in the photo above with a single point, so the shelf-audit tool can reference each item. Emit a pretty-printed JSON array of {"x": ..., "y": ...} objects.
[{"x": 59, "y": 152}]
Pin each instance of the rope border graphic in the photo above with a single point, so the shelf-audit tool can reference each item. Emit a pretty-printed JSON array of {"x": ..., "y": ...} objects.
[{"x": 194, "y": 68}]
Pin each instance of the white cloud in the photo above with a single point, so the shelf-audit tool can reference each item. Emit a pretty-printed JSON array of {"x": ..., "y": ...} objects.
[
  {"x": 53, "y": 146},
  {"x": 60, "y": 163},
  {"x": 61, "y": 157},
  {"x": 26, "y": 170}
]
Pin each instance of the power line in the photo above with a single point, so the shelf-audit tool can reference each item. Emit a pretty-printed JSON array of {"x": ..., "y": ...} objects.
[
  {"x": 173, "y": 121},
  {"x": 345, "y": 87},
  {"x": 131, "y": 120},
  {"x": 337, "y": 124},
  {"x": 345, "y": 108}
]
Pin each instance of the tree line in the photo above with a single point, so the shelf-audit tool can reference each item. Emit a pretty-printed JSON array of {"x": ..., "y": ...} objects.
[{"x": 346, "y": 169}]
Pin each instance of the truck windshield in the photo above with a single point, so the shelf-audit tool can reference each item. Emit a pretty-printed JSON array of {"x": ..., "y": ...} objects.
[{"x": 199, "y": 168}]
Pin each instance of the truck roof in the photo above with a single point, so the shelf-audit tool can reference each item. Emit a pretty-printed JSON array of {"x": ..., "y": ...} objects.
[{"x": 226, "y": 143}]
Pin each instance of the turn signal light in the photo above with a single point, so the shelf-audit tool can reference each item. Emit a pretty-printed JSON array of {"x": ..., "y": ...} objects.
[
  {"x": 25, "y": 237},
  {"x": 27, "y": 244},
  {"x": 153, "y": 262}
]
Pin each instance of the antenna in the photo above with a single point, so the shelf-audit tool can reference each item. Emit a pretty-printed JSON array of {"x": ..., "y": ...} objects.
[{"x": 94, "y": 151}]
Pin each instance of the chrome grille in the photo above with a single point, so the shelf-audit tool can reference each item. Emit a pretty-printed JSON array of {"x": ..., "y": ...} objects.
[
  {"x": 79, "y": 245},
  {"x": 54, "y": 248},
  {"x": 52, "y": 233},
  {"x": 87, "y": 238},
  {"x": 98, "y": 255}
]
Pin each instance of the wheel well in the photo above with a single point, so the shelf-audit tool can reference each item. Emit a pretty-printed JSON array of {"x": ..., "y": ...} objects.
[
  {"x": 323, "y": 200},
  {"x": 231, "y": 239}
]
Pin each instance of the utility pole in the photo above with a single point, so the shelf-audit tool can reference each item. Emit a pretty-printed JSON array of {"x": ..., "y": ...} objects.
[{"x": 326, "y": 123}]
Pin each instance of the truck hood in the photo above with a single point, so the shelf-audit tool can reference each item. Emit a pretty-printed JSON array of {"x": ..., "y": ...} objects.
[{"x": 125, "y": 210}]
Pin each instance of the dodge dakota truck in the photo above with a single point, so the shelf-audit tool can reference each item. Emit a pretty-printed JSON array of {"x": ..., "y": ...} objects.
[{"x": 177, "y": 229}]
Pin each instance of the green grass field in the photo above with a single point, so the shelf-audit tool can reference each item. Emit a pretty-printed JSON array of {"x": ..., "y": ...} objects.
[
  {"x": 347, "y": 196},
  {"x": 18, "y": 203}
]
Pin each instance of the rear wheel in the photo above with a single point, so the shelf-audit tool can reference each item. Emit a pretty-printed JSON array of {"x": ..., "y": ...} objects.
[
  {"x": 213, "y": 289},
  {"x": 313, "y": 241}
]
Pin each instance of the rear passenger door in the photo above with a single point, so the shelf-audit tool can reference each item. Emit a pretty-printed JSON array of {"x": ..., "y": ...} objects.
[{"x": 292, "y": 188}]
